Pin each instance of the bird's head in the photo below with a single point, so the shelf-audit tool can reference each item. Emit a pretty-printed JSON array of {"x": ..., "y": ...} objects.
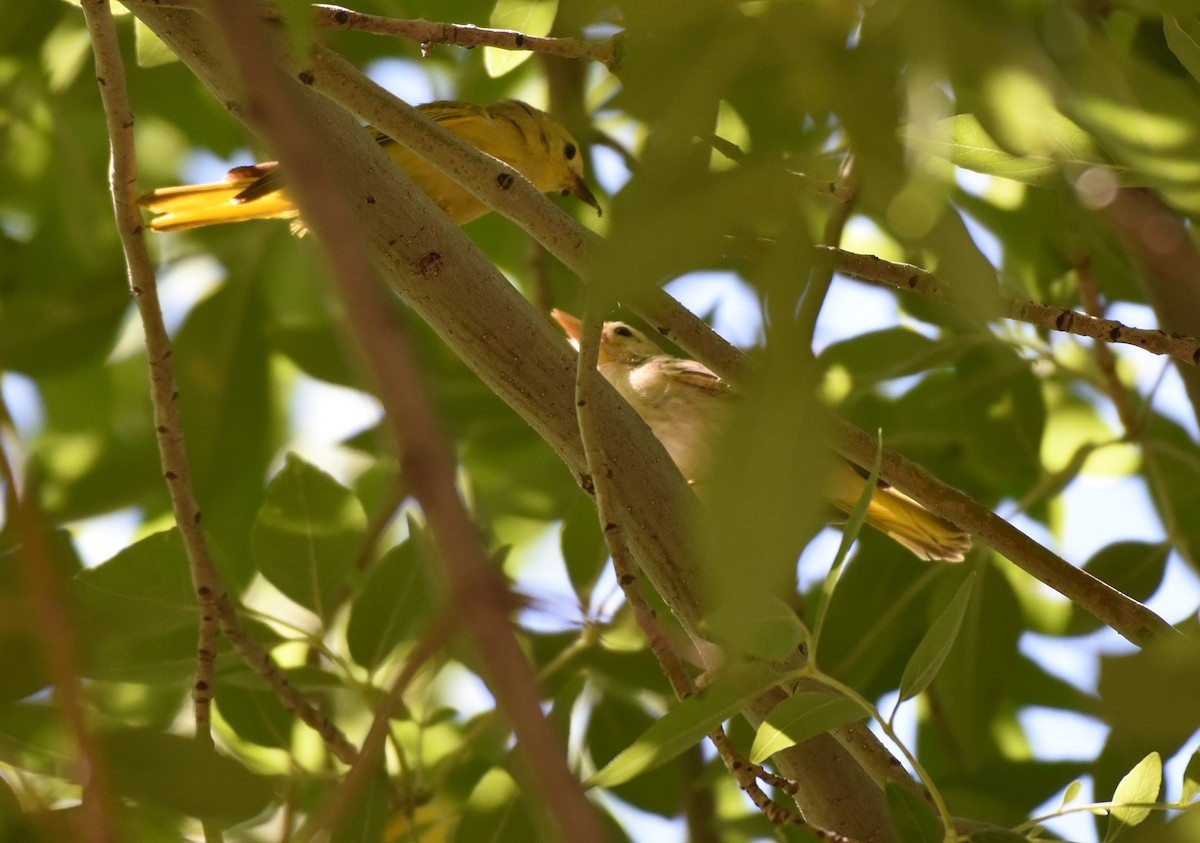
[
  {"x": 558, "y": 162},
  {"x": 619, "y": 342}
]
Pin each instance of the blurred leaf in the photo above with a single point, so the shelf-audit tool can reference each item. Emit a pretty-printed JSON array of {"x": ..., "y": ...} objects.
[
  {"x": 613, "y": 725},
  {"x": 314, "y": 348},
  {"x": 935, "y": 646},
  {"x": 256, "y": 715},
  {"x": 308, "y": 534},
  {"x": 1133, "y": 568},
  {"x": 20, "y": 645},
  {"x": 1140, "y": 785},
  {"x": 228, "y": 411},
  {"x": 151, "y": 51},
  {"x": 981, "y": 670},
  {"x": 1183, "y": 35},
  {"x": 911, "y": 818},
  {"x": 366, "y": 819},
  {"x": 1152, "y": 698},
  {"x": 877, "y": 616},
  {"x": 964, "y": 142},
  {"x": 528, "y": 17},
  {"x": 766, "y": 627},
  {"x": 495, "y": 811},
  {"x": 764, "y": 500},
  {"x": 583, "y": 547},
  {"x": 97, "y": 452},
  {"x": 877, "y": 356},
  {"x": 178, "y": 773},
  {"x": 395, "y": 603},
  {"x": 1191, "y": 778},
  {"x": 1175, "y": 459},
  {"x": 688, "y": 722},
  {"x": 802, "y": 716},
  {"x": 149, "y": 580}
]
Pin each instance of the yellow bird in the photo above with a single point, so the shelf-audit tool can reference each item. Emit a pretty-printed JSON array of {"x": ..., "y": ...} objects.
[
  {"x": 518, "y": 134},
  {"x": 685, "y": 405}
]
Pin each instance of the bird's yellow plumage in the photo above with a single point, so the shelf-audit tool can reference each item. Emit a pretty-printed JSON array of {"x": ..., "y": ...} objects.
[
  {"x": 685, "y": 405},
  {"x": 521, "y": 136}
]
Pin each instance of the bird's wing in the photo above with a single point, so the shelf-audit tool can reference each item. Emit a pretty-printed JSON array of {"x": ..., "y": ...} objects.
[{"x": 695, "y": 375}]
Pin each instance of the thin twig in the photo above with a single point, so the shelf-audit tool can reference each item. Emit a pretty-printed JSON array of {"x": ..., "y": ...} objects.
[
  {"x": 477, "y": 591},
  {"x": 428, "y": 33},
  {"x": 110, "y": 74},
  {"x": 905, "y": 276},
  {"x": 215, "y": 603}
]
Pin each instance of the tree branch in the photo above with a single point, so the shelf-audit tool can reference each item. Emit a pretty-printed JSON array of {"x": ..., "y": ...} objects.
[
  {"x": 215, "y": 603},
  {"x": 903, "y": 276},
  {"x": 429, "y": 33}
]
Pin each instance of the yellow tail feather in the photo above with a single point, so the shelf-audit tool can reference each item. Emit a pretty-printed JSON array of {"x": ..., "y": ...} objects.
[
  {"x": 927, "y": 535},
  {"x": 192, "y": 206}
]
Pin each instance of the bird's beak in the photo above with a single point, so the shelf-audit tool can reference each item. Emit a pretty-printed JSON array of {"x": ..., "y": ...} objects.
[
  {"x": 570, "y": 324},
  {"x": 579, "y": 188}
]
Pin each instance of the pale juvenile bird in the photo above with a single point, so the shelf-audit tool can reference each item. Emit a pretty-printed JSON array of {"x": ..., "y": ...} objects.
[
  {"x": 686, "y": 405},
  {"x": 518, "y": 134}
]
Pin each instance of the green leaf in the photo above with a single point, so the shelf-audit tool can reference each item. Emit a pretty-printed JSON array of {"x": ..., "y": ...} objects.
[
  {"x": 314, "y": 347},
  {"x": 867, "y": 359},
  {"x": 983, "y": 669},
  {"x": 255, "y": 714},
  {"x": 227, "y": 400},
  {"x": 1071, "y": 793},
  {"x": 180, "y": 774},
  {"x": 394, "y": 603},
  {"x": 151, "y": 51},
  {"x": 583, "y": 547},
  {"x": 366, "y": 818},
  {"x": 528, "y": 17},
  {"x": 761, "y": 625},
  {"x": 20, "y": 648},
  {"x": 308, "y": 534},
  {"x": 1183, "y": 37},
  {"x": 146, "y": 587},
  {"x": 911, "y": 818},
  {"x": 614, "y": 724},
  {"x": 1140, "y": 785},
  {"x": 800, "y": 717},
  {"x": 1152, "y": 697},
  {"x": 688, "y": 723},
  {"x": 1191, "y": 778},
  {"x": 963, "y": 141},
  {"x": 1133, "y": 568},
  {"x": 495, "y": 811},
  {"x": 935, "y": 646}
]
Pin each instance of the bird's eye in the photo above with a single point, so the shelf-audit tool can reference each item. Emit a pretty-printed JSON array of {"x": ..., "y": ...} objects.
[
  {"x": 569, "y": 151},
  {"x": 623, "y": 331}
]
